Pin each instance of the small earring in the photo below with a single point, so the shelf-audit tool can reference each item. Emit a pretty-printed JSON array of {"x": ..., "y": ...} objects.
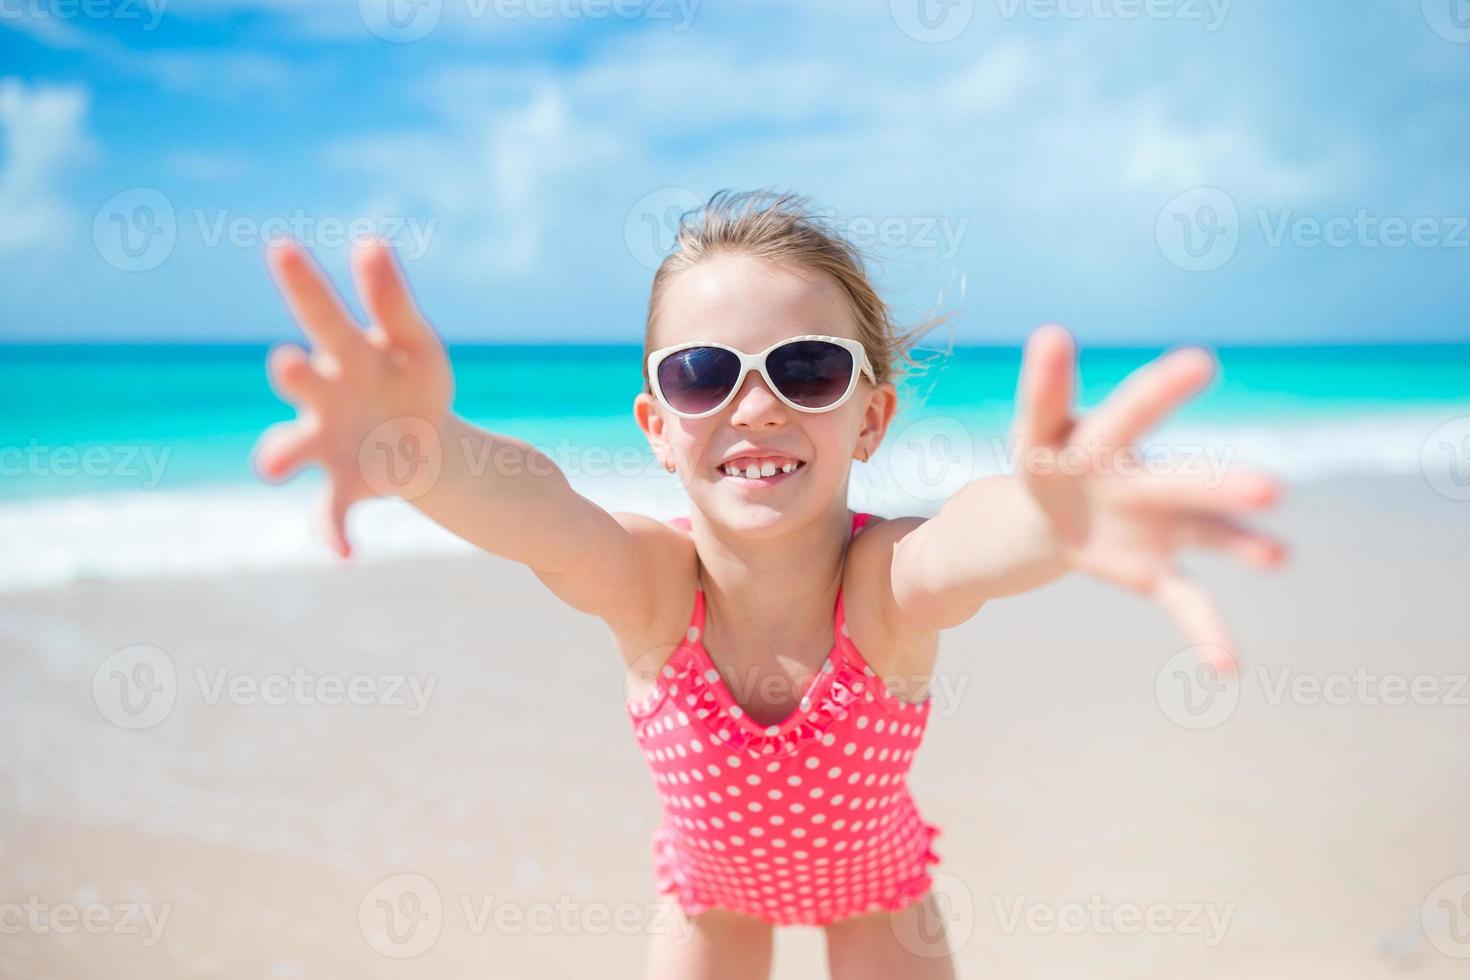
[
  {"x": 668, "y": 466},
  {"x": 865, "y": 454}
]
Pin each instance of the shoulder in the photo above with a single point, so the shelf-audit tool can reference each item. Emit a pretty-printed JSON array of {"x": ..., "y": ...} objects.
[
  {"x": 665, "y": 550},
  {"x": 870, "y": 559},
  {"x": 667, "y": 562},
  {"x": 873, "y": 621}
]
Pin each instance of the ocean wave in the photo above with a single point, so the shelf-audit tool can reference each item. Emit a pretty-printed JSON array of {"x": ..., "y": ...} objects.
[{"x": 203, "y": 530}]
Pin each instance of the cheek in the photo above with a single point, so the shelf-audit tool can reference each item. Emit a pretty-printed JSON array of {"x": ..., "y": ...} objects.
[{"x": 690, "y": 440}]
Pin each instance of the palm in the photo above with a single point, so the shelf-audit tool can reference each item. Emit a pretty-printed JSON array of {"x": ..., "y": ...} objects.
[
  {"x": 1116, "y": 518},
  {"x": 355, "y": 382}
]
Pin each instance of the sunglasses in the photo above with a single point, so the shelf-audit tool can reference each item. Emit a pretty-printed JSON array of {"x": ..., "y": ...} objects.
[{"x": 810, "y": 373}]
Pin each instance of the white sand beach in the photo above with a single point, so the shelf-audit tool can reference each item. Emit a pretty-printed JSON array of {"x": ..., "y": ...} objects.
[{"x": 419, "y": 770}]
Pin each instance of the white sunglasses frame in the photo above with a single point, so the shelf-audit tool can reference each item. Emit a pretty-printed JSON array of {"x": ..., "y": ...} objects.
[{"x": 758, "y": 362}]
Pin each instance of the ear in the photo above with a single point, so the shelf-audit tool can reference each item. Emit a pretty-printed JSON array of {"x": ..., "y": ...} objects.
[
  {"x": 879, "y": 407},
  {"x": 650, "y": 418}
]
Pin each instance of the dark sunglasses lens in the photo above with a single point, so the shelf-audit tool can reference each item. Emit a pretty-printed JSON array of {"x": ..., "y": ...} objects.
[
  {"x": 812, "y": 373},
  {"x": 698, "y": 379}
]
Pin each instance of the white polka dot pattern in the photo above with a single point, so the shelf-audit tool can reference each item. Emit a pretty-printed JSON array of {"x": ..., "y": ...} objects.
[{"x": 805, "y": 822}]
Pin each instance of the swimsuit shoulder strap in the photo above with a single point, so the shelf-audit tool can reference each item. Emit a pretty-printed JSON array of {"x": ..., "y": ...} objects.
[
  {"x": 696, "y": 619},
  {"x": 839, "y": 613}
]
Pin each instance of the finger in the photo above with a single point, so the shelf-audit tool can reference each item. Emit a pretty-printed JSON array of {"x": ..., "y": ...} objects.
[
  {"x": 385, "y": 295},
  {"x": 1199, "y": 617},
  {"x": 331, "y": 517},
  {"x": 1146, "y": 396},
  {"x": 313, "y": 302},
  {"x": 1206, "y": 494},
  {"x": 283, "y": 449},
  {"x": 1249, "y": 547},
  {"x": 293, "y": 376},
  {"x": 1045, "y": 389}
]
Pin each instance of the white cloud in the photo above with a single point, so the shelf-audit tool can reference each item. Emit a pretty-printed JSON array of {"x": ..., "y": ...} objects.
[
  {"x": 42, "y": 131},
  {"x": 1051, "y": 146},
  {"x": 489, "y": 183}
]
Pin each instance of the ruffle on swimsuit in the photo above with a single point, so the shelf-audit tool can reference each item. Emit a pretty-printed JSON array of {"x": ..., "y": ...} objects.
[{"x": 804, "y": 822}]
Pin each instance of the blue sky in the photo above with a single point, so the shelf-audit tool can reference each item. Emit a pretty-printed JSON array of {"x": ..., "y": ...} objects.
[{"x": 1159, "y": 171}]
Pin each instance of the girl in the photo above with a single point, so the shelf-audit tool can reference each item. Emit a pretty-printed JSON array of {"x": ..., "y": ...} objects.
[{"x": 769, "y": 367}]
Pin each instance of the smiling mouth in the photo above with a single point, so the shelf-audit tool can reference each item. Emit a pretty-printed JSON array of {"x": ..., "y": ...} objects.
[{"x": 765, "y": 471}]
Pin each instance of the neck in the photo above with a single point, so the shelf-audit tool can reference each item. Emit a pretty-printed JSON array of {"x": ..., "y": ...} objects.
[{"x": 768, "y": 587}]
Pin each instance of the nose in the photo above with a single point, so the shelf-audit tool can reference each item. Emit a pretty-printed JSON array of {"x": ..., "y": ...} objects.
[{"x": 755, "y": 405}]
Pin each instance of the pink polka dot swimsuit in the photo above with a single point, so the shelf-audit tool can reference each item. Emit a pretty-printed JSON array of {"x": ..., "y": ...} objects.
[{"x": 804, "y": 822}]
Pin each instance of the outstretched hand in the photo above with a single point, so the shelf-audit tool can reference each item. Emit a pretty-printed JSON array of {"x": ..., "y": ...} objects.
[
  {"x": 353, "y": 380},
  {"x": 1118, "y": 519}
]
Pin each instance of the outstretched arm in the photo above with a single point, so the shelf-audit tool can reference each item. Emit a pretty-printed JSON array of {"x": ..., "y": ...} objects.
[
  {"x": 1080, "y": 499},
  {"x": 374, "y": 413}
]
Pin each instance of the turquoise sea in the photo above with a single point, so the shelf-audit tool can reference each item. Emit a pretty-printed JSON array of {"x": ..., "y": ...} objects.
[{"x": 115, "y": 455}]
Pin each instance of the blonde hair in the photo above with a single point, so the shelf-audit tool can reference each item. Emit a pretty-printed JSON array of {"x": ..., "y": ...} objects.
[{"x": 782, "y": 227}]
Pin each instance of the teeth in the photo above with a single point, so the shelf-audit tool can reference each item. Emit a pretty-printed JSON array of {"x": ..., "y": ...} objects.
[{"x": 757, "y": 470}]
